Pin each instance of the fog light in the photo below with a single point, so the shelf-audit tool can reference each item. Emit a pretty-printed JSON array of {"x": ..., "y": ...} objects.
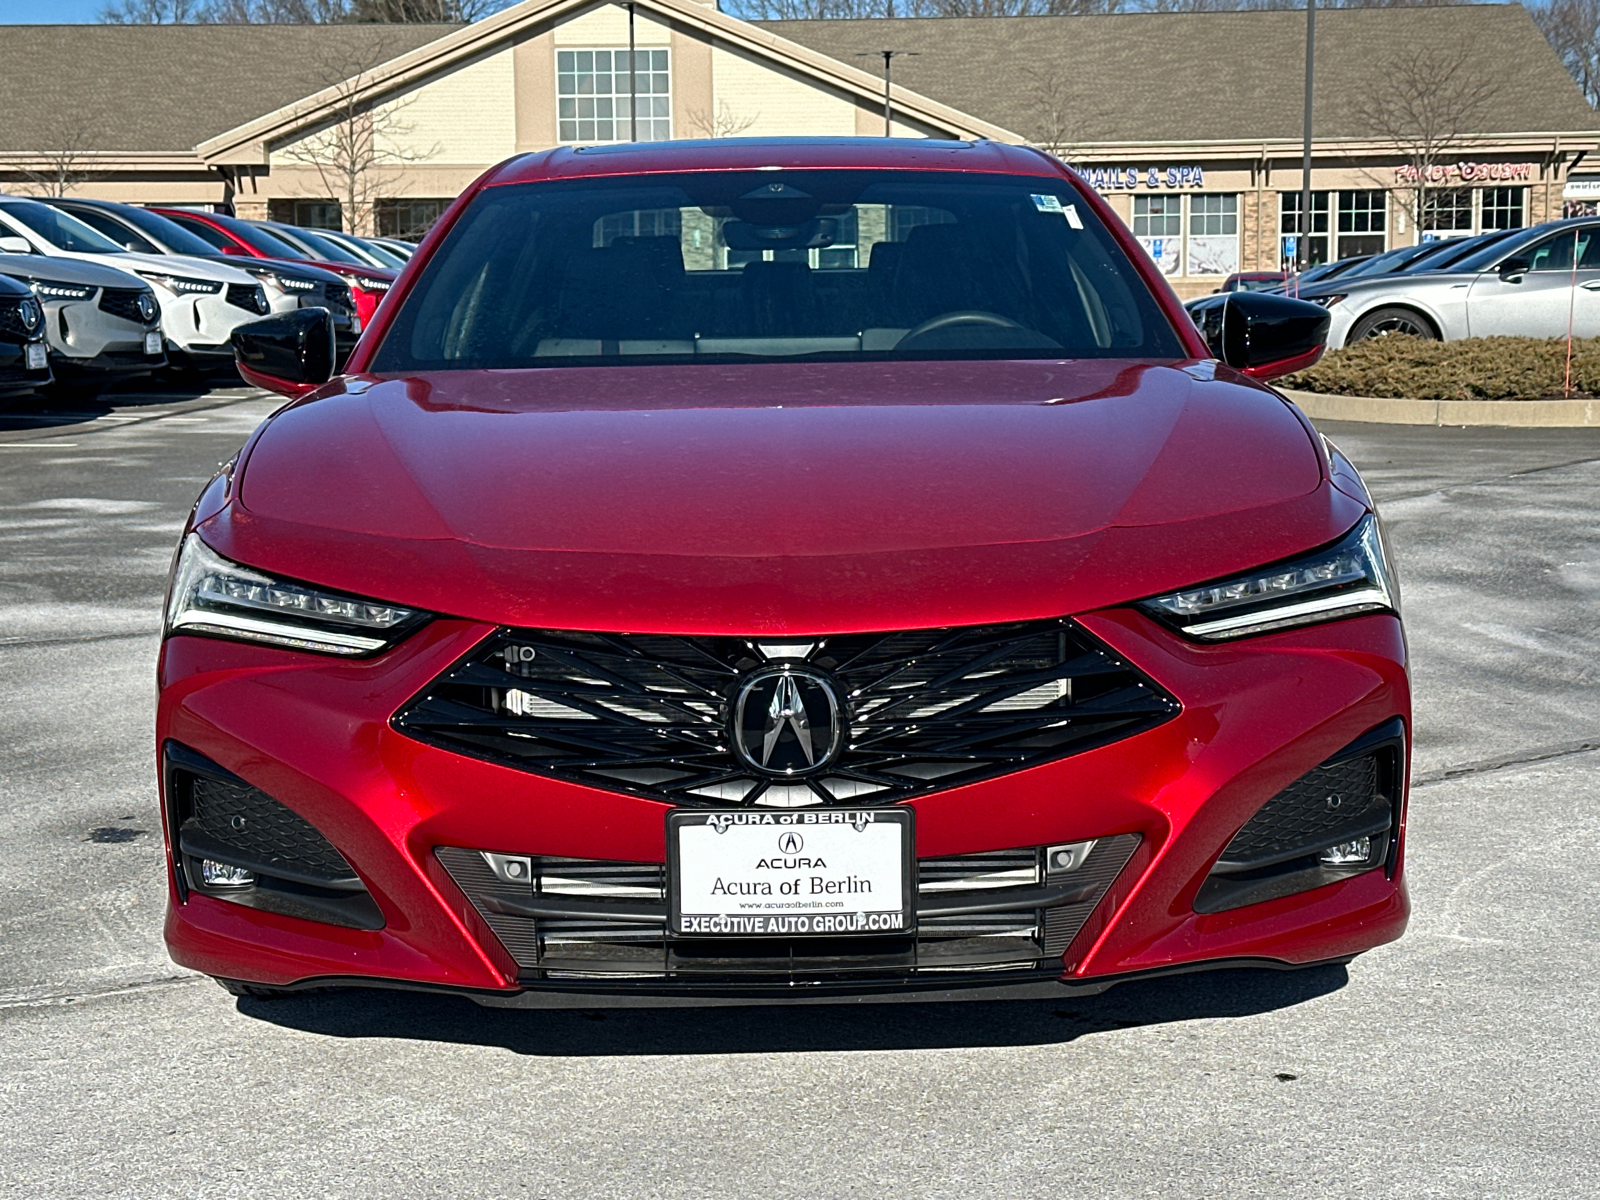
[
  {"x": 1347, "y": 854},
  {"x": 219, "y": 874},
  {"x": 1066, "y": 858}
]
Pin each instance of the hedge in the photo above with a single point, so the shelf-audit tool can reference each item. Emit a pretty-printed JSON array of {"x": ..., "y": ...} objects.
[{"x": 1497, "y": 368}]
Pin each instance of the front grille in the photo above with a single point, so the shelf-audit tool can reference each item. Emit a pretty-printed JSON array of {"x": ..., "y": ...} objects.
[
  {"x": 920, "y": 711},
  {"x": 604, "y": 920},
  {"x": 263, "y": 830},
  {"x": 11, "y": 326},
  {"x": 337, "y": 295},
  {"x": 124, "y": 303},
  {"x": 251, "y": 297}
]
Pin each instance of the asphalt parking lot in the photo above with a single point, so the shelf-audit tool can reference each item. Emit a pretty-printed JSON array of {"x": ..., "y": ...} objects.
[{"x": 1461, "y": 1061}]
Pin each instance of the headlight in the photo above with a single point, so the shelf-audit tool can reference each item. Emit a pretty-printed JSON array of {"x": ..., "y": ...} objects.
[
  {"x": 60, "y": 291},
  {"x": 1325, "y": 301},
  {"x": 213, "y": 596},
  {"x": 181, "y": 286},
  {"x": 372, "y": 284},
  {"x": 1352, "y": 576},
  {"x": 289, "y": 283}
]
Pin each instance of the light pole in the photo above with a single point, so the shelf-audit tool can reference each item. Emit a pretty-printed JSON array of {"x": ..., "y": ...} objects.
[
  {"x": 888, "y": 57},
  {"x": 1305, "y": 223}
]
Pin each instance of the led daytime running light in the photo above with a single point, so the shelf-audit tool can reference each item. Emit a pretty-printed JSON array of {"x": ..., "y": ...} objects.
[
  {"x": 213, "y": 596},
  {"x": 1348, "y": 578},
  {"x": 60, "y": 291},
  {"x": 293, "y": 283},
  {"x": 371, "y": 284},
  {"x": 181, "y": 286}
]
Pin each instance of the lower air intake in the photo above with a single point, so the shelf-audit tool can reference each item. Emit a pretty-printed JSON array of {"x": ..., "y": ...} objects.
[
  {"x": 998, "y": 913},
  {"x": 237, "y": 843},
  {"x": 1335, "y": 821}
]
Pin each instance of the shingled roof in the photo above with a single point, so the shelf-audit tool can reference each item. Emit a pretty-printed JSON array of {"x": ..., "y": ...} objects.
[
  {"x": 163, "y": 89},
  {"x": 1229, "y": 77}
]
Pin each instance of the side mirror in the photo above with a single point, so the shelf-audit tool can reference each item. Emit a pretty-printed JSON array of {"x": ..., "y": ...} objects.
[
  {"x": 291, "y": 354},
  {"x": 1514, "y": 268},
  {"x": 1262, "y": 334},
  {"x": 232, "y": 251},
  {"x": 12, "y": 244}
]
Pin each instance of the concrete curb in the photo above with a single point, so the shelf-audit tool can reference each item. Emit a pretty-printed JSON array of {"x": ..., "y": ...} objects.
[{"x": 1524, "y": 414}]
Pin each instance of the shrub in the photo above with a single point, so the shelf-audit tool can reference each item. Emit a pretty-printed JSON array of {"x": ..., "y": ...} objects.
[{"x": 1498, "y": 368}]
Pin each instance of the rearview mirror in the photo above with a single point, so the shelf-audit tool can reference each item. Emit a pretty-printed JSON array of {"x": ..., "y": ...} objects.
[
  {"x": 1261, "y": 334},
  {"x": 290, "y": 354},
  {"x": 1514, "y": 268},
  {"x": 12, "y": 244}
]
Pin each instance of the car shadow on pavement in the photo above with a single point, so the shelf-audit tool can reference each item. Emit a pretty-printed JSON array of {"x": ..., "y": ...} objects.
[
  {"x": 56, "y": 412},
  {"x": 421, "y": 1016}
]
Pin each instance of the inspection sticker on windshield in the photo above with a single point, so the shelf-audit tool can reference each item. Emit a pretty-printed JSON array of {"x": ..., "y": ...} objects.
[
  {"x": 1052, "y": 204},
  {"x": 787, "y": 874}
]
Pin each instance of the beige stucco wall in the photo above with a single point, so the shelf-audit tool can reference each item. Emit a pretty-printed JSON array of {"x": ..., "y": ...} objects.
[
  {"x": 775, "y": 101},
  {"x": 607, "y": 28}
]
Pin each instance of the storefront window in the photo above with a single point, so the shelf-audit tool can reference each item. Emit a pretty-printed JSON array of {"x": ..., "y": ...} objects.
[
  {"x": 408, "y": 219},
  {"x": 1363, "y": 223},
  {"x": 308, "y": 214},
  {"x": 1158, "y": 224},
  {"x": 1448, "y": 210},
  {"x": 1502, "y": 208},
  {"x": 1289, "y": 226},
  {"x": 1213, "y": 234}
]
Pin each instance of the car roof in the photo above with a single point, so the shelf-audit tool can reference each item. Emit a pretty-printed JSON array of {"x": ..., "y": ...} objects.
[{"x": 754, "y": 154}]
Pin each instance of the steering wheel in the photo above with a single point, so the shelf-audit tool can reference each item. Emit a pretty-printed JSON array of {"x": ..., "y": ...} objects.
[{"x": 965, "y": 316}]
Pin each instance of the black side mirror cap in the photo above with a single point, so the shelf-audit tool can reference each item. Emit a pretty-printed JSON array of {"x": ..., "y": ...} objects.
[
  {"x": 291, "y": 353},
  {"x": 1262, "y": 334},
  {"x": 1514, "y": 267}
]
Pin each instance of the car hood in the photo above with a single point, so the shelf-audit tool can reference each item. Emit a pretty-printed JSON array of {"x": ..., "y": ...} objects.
[
  {"x": 67, "y": 270},
  {"x": 165, "y": 264},
  {"x": 767, "y": 497}
]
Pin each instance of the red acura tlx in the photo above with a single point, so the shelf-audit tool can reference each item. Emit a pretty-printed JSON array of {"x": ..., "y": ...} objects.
[{"x": 748, "y": 570}]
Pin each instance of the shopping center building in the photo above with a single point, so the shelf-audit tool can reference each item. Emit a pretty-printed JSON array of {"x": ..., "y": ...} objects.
[{"x": 1189, "y": 124}]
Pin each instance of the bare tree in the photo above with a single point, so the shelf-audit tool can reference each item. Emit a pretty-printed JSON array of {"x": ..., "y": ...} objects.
[
  {"x": 64, "y": 156},
  {"x": 356, "y": 151},
  {"x": 1062, "y": 117},
  {"x": 152, "y": 12},
  {"x": 295, "y": 12},
  {"x": 1428, "y": 103},
  {"x": 1572, "y": 27},
  {"x": 722, "y": 123}
]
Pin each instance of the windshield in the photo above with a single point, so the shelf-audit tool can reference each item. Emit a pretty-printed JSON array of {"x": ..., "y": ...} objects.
[
  {"x": 169, "y": 233},
  {"x": 325, "y": 248},
  {"x": 719, "y": 266},
  {"x": 57, "y": 228}
]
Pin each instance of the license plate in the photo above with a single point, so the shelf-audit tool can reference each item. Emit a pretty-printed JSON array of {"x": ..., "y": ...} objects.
[
  {"x": 35, "y": 356},
  {"x": 355, "y": 324},
  {"x": 821, "y": 873},
  {"x": 152, "y": 343}
]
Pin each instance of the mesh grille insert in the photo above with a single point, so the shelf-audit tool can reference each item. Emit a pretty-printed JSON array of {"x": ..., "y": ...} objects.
[
  {"x": 921, "y": 710},
  {"x": 124, "y": 303},
  {"x": 267, "y": 831}
]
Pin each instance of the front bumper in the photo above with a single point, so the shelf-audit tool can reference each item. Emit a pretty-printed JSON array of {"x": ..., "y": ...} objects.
[{"x": 315, "y": 734}]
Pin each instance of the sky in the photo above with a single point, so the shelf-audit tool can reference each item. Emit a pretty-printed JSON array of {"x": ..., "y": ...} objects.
[{"x": 48, "y": 12}]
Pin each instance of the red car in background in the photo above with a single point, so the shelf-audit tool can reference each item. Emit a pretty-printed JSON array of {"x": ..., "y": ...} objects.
[
  {"x": 753, "y": 571},
  {"x": 368, "y": 285}
]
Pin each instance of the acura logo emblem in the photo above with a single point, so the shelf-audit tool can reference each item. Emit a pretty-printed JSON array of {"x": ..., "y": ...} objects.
[
  {"x": 147, "y": 307},
  {"x": 786, "y": 721}
]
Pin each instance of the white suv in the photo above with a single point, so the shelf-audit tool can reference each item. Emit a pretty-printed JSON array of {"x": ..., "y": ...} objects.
[
  {"x": 201, "y": 302},
  {"x": 101, "y": 324}
]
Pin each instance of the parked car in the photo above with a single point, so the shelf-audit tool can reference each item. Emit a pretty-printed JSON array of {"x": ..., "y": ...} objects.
[
  {"x": 1387, "y": 262},
  {"x": 398, "y": 246},
  {"x": 1254, "y": 281},
  {"x": 201, "y": 302},
  {"x": 247, "y": 239},
  {"x": 1445, "y": 254},
  {"x": 647, "y": 617},
  {"x": 326, "y": 241},
  {"x": 24, "y": 361},
  {"x": 101, "y": 325},
  {"x": 1534, "y": 283},
  {"x": 289, "y": 285}
]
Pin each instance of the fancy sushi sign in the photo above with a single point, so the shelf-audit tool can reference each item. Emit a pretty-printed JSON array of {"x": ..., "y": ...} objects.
[{"x": 1464, "y": 172}]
